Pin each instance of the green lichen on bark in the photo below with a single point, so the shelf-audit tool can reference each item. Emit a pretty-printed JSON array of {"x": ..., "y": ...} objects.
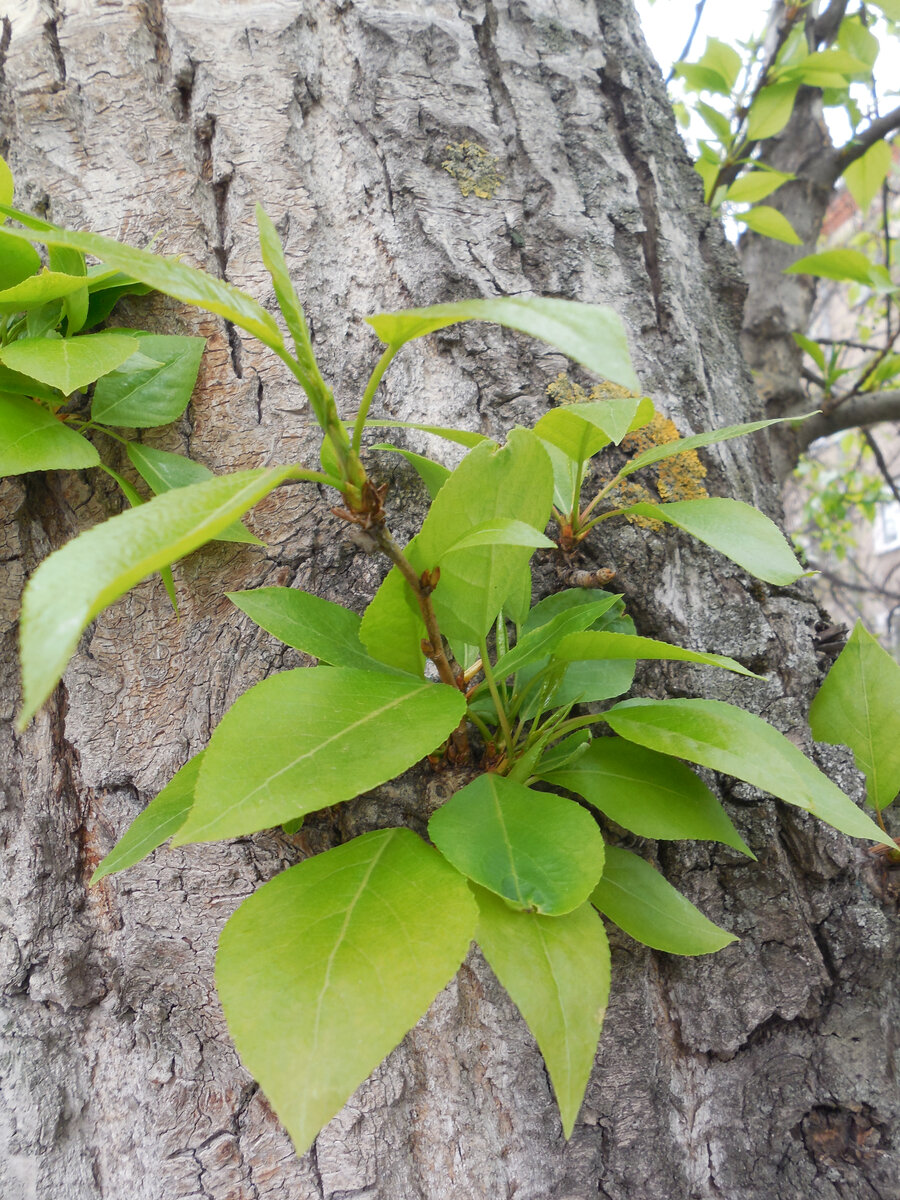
[{"x": 474, "y": 168}]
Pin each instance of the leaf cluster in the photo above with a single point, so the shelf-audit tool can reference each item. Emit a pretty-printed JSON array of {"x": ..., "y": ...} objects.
[{"x": 325, "y": 968}]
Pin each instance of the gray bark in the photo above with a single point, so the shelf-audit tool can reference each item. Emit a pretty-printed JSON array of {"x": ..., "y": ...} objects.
[{"x": 762, "y": 1073}]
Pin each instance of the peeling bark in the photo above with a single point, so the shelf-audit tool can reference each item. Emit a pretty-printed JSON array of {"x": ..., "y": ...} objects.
[{"x": 762, "y": 1073}]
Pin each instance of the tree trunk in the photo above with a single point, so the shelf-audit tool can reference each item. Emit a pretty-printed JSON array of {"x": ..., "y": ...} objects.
[{"x": 760, "y": 1073}]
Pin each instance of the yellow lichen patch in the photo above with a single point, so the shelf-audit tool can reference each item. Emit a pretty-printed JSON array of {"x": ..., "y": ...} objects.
[
  {"x": 473, "y": 168},
  {"x": 679, "y": 477}
]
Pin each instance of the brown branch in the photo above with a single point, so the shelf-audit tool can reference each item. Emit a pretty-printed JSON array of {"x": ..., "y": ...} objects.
[
  {"x": 879, "y": 129},
  {"x": 869, "y": 408},
  {"x": 882, "y": 464},
  {"x": 698, "y": 13},
  {"x": 825, "y": 27}
]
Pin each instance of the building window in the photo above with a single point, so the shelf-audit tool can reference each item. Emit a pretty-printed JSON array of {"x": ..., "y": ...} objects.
[{"x": 887, "y": 528}]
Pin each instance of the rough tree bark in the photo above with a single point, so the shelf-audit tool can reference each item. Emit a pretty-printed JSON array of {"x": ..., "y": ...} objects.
[{"x": 761, "y": 1072}]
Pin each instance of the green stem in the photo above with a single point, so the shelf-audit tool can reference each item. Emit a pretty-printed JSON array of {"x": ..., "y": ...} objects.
[
  {"x": 604, "y": 491},
  {"x": 613, "y": 512},
  {"x": 577, "y": 723},
  {"x": 480, "y": 725},
  {"x": 495, "y": 696},
  {"x": 371, "y": 387}
]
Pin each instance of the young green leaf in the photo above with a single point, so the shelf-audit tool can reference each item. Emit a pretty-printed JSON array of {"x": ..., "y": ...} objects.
[
  {"x": 32, "y": 439},
  {"x": 865, "y": 176},
  {"x": 392, "y": 627},
  {"x": 835, "y": 264},
  {"x": 501, "y": 531},
  {"x": 590, "y": 333},
  {"x": 433, "y": 474},
  {"x": 542, "y": 640},
  {"x": 77, "y": 582},
  {"x": 564, "y": 753},
  {"x": 581, "y": 681},
  {"x": 462, "y": 437},
  {"x": 162, "y": 817},
  {"x": 728, "y": 739},
  {"x": 740, "y": 532},
  {"x": 164, "y": 471},
  {"x": 514, "y": 483},
  {"x": 318, "y": 627},
  {"x": 309, "y": 738},
  {"x": 18, "y": 260},
  {"x": 711, "y": 437},
  {"x": 37, "y": 290},
  {"x": 770, "y": 223},
  {"x": 288, "y": 300},
  {"x": 325, "y": 968},
  {"x": 583, "y": 647},
  {"x": 648, "y": 793},
  {"x": 857, "y": 706},
  {"x": 754, "y": 186},
  {"x": 771, "y": 110},
  {"x": 639, "y": 900},
  {"x": 557, "y": 973},
  {"x": 166, "y": 275},
  {"x": 69, "y": 363},
  {"x": 813, "y": 349},
  {"x": 157, "y": 395},
  {"x": 539, "y": 851}
]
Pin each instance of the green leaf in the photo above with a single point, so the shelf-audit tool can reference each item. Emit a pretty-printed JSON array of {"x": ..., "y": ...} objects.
[
  {"x": 69, "y": 363},
  {"x": 858, "y": 706},
  {"x": 32, "y": 439},
  {"x": 77, "y": 582},
  {"x": 711, "y": 437},
  {"x": 166, "y": 275},
  {"x": 6, "y": 183},
  {"x": 537, "y": 644},
  {"x": 318, "y": 627},
  {"x": 826, "y": 69},
  {"x": 582, "y": 647},
  {"x": 569, "y": 431},
  {"x": 37, "y": 290},
  {"x": 312, "y": 737},
  {"x": 433, "y": 474},
  {"x": 163, "y": 471},
  {"x": 557, "y": 972},
  {"x": 162, "y": 817},
  {"x": 582, "y": 681},
  {"x": 722, "y": 58},
  {"x": 813, "y": 349},
  {"x": 648, "y": 793},
  {"x": 698, "y": 78},
  {"x": 516, "y": 483},
  {"x": 769, "y": 222},
  {"x": 462, "y": 437},
  {"x": 157, "y": 395},
  {"x": 325, "y": 968},
  {"x": 18, "y": 260},
  {"x": 738, "y": 743},
  {"x": 288, "y": 300},
  {"x": 392, "y": 627},
  {"x": 640, "y": 901},
  {"x": 590, "y": 333},
  {"x": 740, "y": 532},
  {"x": 717, "y": 122},
  {"x": 539, "y": 851},
  {"x": 754, "y": 186},
  {"x": 865, "y": 176},
  {"x": 564, "y": 753},
  {"x": 858, "y": 41},
  {"x": 835, "y": 264},
  {"x": 567, "y": 475},
  {"x": 501, "y": 531},
  {"x": 771, "y": 110}
]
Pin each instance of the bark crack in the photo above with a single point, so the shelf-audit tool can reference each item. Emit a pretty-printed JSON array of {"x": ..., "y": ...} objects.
[
  {"x": 51, "y": 33},
  {"x": 613, "y": 88},
  {"x": 153, "y": 15}
]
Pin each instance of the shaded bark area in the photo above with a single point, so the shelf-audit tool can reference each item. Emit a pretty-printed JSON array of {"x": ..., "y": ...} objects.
[{"x": 765, "y": 1072}]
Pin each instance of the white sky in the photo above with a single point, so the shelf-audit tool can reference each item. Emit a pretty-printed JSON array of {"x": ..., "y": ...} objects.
[{"x": 667, "y": 24}]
